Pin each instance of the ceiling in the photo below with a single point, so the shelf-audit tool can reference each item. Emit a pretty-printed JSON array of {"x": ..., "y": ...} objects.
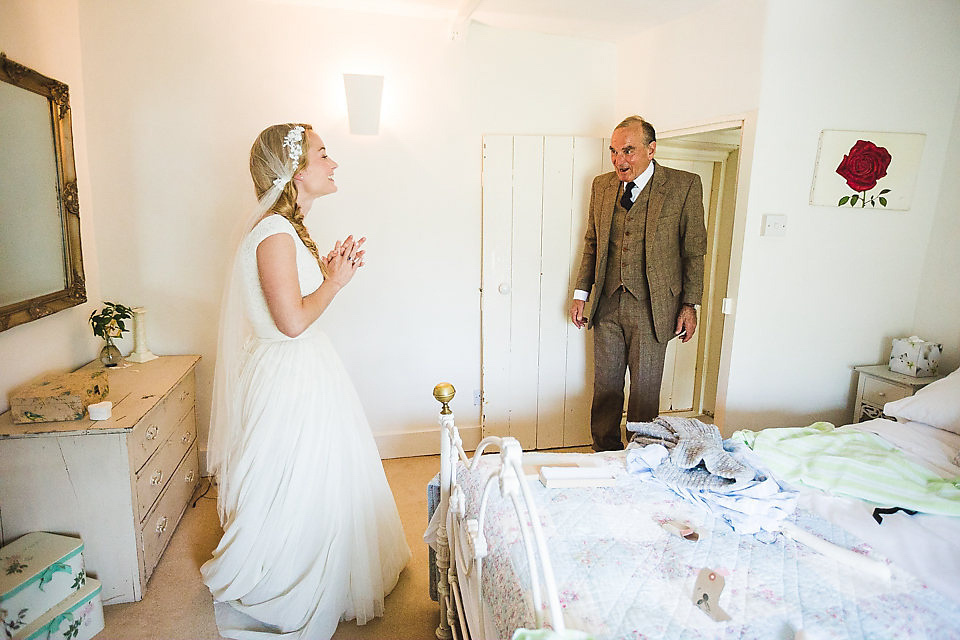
[{"x": 609, "y": 20}]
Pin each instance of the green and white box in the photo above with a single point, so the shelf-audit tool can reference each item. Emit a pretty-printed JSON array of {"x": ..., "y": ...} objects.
[
  {"x": 37, "y": 572},
  {"x": 915, "y": 356},
  {"x": 79, "y": 617}
]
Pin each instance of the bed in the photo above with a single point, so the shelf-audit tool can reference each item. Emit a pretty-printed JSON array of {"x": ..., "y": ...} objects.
[{"x": 637, "y": 559}]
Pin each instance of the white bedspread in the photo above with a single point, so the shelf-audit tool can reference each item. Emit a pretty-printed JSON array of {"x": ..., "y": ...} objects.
[{"x": 621, "y": 574}]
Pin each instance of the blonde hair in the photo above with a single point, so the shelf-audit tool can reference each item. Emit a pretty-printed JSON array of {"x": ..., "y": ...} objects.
[{"x": 270, "y": 141}]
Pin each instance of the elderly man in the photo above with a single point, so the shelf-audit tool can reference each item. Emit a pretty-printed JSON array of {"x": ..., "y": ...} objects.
[{"x": 643, "y": 256}]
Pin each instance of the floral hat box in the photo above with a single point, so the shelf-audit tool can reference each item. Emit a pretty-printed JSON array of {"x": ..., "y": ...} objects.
[
  {"x": 915, "y": 356},
  {"x": 78, "y": 617},
  {"x": 37, "y": 571},
  {"x": 56, "y": 397}
]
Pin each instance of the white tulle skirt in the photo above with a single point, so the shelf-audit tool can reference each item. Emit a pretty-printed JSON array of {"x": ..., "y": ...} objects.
[{"x": 311, "y": 531}]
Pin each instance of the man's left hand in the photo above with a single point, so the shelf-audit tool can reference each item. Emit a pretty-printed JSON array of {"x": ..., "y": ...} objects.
[{"x": 686, "y": 323}]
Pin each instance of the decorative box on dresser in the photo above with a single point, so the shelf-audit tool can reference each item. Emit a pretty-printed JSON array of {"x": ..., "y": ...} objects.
[
  {"x": 877, "y": 385},
  {"x": 120, "y": 484}
]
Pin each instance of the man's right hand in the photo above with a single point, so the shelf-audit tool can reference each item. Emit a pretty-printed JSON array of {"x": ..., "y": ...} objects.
[{"x": 576, "y": 314}]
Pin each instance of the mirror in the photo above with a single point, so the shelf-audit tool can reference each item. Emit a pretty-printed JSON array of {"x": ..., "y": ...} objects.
[{"x": 41, "y": 266}]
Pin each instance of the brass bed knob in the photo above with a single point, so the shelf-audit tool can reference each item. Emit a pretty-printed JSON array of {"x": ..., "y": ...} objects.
[{"x": 444, "y": 393}]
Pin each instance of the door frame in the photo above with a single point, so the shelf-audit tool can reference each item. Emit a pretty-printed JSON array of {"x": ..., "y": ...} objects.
[
  {"x": 718, "y": 160},
  {"x": 747, "y": 121}
]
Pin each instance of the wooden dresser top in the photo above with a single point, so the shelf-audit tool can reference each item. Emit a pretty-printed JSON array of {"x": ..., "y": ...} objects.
[{"x": 134, "y": 390}]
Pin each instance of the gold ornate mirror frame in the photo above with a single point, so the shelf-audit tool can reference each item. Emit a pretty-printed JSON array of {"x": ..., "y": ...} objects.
[{"x": 74, "y": 292}]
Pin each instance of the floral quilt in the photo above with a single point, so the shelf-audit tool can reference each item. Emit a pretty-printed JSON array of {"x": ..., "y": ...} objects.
[{"x": 623, "y": 571}]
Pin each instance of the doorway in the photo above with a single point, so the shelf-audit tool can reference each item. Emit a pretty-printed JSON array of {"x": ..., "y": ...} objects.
[
  {"x": 692, "y": 369},
  {"x": 537, "y": 368}
]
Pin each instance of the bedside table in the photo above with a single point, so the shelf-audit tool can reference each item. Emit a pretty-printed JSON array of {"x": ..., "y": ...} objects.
[{"x": 878, "y": 386}]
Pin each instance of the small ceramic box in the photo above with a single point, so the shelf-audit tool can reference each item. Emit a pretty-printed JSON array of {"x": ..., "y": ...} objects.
[
  {"x": 79, "y": 617},
  {"x": 60, "y": 397},
  {"x": 914, "y": 356},
  {"x": 37, "y": 572}
]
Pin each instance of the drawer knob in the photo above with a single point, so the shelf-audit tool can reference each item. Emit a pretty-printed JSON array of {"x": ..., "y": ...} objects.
[
  {"x": 152, "y": 431},
  {"x": 189, "y": 477},
  {"x": 156, "y": 477},
  {"x": 186, "y": 437},
  {"x": 162, "y": 524}
]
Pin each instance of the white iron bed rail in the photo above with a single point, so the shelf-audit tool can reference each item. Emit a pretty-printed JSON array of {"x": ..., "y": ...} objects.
[{"x": 461, "y": 544}]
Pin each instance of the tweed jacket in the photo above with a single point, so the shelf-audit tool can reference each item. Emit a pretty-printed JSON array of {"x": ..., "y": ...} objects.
[{"x": 674, "y": 244}]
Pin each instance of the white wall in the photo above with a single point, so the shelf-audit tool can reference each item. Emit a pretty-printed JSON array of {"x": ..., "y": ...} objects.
[
  {"x": 843, "y": 282},
  {"x": 45, "y": 36},
  {"x": 937, "y": 316},
  {"x": 178, "y": 91},
  {"x": 700, "y": 68}
]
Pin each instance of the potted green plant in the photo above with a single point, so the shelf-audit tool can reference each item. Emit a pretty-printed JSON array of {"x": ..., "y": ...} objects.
[{"x": 109, "y": 323}]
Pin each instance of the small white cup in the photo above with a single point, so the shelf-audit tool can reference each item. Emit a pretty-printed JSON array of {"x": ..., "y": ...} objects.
[{"x": 100, "y": 410}]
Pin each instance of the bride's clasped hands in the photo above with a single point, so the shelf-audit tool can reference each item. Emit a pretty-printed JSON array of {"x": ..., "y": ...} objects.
[{"x": 340, "y": 265}]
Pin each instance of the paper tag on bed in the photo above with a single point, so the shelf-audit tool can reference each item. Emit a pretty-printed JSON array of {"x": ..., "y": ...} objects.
[
  {"x": 682, "y": 529},
  {"x": 706, "y": 594}
]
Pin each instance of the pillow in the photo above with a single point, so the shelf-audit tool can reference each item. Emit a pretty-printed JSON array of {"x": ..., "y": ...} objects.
[{"x": 937, "y": 404}]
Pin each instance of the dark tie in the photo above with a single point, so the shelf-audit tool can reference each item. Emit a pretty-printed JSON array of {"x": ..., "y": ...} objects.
[{"x": 625, "y": 200}]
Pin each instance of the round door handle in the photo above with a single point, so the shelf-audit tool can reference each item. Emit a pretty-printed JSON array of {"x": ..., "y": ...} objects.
[{"x": 504, "y": 288}]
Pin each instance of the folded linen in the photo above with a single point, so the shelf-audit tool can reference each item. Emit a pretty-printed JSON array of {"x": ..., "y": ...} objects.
[
  {"x": 758, "y": 506},
  {"x": 697, "y": 457},
  {"x": 575, "y": 473},
  {"x": 853, "y": 463}
]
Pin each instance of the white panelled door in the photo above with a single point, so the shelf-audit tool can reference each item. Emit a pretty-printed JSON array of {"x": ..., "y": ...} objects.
[{"x": 537, "y": 367}]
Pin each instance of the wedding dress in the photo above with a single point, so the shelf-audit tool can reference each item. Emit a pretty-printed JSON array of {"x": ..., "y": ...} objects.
[{"x": 311, "y": 530}]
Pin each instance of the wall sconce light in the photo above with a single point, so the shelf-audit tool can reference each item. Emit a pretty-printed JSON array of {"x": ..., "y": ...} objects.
[{"x": 363, "y": 102}]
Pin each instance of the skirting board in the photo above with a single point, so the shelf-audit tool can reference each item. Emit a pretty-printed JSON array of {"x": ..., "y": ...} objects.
[
  {"x": 403, "y": 444},
  {"x": 407, "y": 444}
]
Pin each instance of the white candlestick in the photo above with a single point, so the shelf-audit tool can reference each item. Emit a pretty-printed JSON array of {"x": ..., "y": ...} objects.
[{"x": 140, "y": 351}]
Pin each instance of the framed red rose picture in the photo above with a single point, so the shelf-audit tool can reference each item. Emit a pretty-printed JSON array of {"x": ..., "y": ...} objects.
[{"x": 873, "y": 170}]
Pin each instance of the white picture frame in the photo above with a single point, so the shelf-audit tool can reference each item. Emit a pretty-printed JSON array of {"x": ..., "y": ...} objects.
[{"x": 892, "y": 192}]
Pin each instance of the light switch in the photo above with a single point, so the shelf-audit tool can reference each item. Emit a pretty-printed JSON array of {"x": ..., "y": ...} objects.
[{"x": 774, "y": 225}]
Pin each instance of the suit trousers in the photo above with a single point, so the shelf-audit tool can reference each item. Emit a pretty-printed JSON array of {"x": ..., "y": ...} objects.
[{"x": 623, "y": 336}]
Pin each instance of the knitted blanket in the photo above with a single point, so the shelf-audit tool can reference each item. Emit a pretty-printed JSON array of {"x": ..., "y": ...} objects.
[{"x": 697, "y": 458}]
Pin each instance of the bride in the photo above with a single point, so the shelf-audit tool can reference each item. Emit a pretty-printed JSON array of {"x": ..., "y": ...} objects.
[{"x": 311, "y": 534}]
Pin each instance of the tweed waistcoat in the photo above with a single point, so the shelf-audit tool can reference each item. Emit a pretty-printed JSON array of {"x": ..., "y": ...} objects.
[{"x": 626, "y": 264}]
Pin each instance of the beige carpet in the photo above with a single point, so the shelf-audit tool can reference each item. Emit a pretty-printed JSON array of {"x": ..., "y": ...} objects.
[{"x": 177, "y": 605}]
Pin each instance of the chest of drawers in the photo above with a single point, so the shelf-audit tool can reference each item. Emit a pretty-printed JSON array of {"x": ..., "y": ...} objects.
[
  {"x": 877, "y": 385},
  {"x": 120, "y": 484}
]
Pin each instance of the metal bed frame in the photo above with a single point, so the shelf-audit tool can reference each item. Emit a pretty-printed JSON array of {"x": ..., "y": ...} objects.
[{"x": 461, "y": 544}]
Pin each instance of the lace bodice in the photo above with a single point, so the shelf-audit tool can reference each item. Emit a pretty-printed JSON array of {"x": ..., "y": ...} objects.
[{"x": 255, "y": 304}]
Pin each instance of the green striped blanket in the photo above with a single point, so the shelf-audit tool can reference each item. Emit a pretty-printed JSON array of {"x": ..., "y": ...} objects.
[{"x": 853, "y": 463}]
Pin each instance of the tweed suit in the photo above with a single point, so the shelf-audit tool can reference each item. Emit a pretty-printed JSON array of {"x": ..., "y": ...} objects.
[{"x": 638, "y": 321}]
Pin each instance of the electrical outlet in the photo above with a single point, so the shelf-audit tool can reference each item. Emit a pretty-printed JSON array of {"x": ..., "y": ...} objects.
[
  {"x": 774, "y": 225},
  {"x": 477, "y": 398}
]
